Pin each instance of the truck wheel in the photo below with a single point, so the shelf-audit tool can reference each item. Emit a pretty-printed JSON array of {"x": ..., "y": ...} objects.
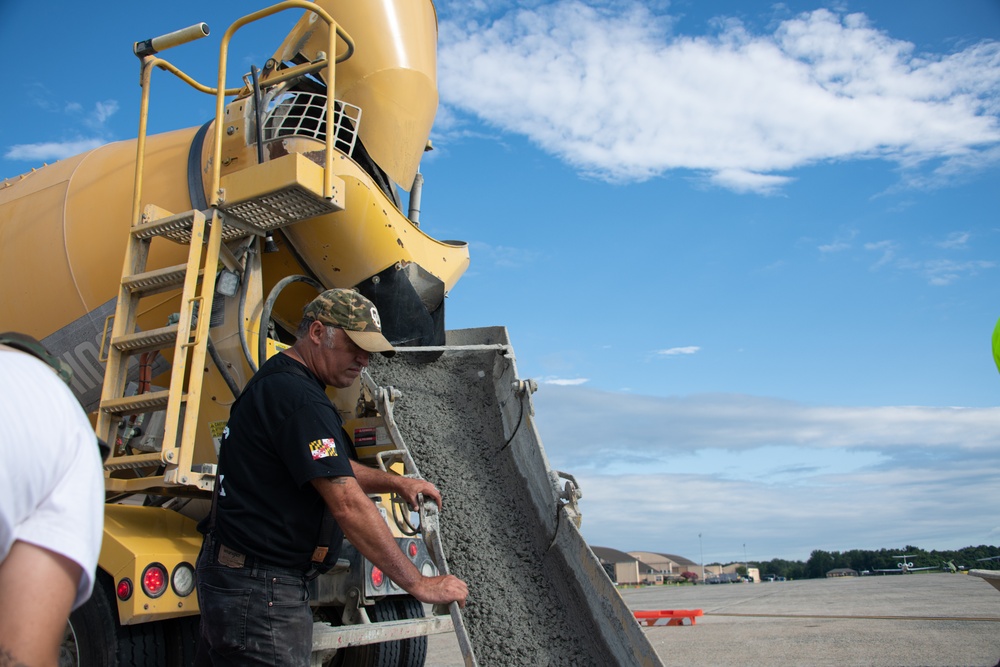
[
  {"x": 90, "y": 638},
  {"x": 414, "y": 650},
  {"x": 95, "y": 638},
  {"x": 386, "y": 654},
  {"x": 141, "y": 645},
  {"x": 182, "y": 640}
]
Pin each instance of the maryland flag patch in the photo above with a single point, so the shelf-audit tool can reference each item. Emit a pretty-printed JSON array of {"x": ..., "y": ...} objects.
[{"x": 323, "y": 448}]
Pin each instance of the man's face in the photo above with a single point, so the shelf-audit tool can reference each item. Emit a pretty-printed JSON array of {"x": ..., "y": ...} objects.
[{"x": 340, "y": 361}]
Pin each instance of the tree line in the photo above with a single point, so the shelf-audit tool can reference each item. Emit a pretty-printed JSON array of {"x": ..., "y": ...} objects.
[{"x": 820, "y": 562}]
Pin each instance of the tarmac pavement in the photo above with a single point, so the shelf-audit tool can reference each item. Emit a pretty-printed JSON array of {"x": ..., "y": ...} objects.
[{"x": 914, "y": 620}]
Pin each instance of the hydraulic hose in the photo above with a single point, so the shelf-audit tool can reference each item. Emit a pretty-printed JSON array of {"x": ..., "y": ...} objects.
[{"x": 272, "y": 297}]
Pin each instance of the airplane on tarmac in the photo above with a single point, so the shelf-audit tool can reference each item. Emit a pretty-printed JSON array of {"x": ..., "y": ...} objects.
[{"x": 905, "y": 567}]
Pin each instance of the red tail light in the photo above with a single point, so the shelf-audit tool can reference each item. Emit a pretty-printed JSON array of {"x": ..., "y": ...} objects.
[
  {"x": 124, "y": 589},
  {"x": 154, "y": 580},
  {"x": 378, "y": 578}
]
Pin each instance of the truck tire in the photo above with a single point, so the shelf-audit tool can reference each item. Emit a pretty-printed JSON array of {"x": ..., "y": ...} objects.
[
  {"x": 182, "y": 640},
  {"x": 95, "y": 638},
  {"x": 90, "y": 638},
  {"x": 141, "y": 645},
  {"x": 386, "y": 654},
  {"x": 414, "y": 650}
]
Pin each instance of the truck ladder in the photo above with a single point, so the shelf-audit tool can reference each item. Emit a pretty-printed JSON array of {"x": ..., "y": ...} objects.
[
  {"x": 187, "y": 337},
  {"x": 261, "y": 198},
  {"x": 253, "y": 200}
]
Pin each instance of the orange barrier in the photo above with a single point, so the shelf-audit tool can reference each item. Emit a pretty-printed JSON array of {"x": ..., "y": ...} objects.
[{"x": 667, "y": 617}]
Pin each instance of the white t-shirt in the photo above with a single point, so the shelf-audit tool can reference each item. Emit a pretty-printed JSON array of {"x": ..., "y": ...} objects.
[{"x": 51, "y": 475}]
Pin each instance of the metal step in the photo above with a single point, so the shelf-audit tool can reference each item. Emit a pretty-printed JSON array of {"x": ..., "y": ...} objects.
[
  {"x": 279, "y": 192},
  {"x": 326, "y": 636},
  {"x": 137, "y": 462},
  {"x": 143, "y": 341},
  {"x": 177, "y": 228},
  {"x": 154, "y": 282},
  {"x": 133, "y": 405},
  {"x": 174, "y": 227}
]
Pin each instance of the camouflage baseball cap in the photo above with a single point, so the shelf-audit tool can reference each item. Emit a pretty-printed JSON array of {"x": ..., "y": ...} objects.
[{"x": 353, "y": 313}]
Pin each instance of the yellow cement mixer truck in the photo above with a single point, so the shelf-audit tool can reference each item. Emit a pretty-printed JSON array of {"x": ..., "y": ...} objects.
[{"x": 167, "y": 268}]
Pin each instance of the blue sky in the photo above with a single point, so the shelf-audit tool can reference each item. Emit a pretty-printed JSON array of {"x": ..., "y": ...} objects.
[{"x": 748, "y": 249}]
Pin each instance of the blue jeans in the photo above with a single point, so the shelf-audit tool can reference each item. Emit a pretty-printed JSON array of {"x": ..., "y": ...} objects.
[{"x": 255, "y": 614}]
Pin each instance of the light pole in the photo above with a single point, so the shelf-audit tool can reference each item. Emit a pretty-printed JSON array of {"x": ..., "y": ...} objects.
[
  {"x": 746, "y": 565},
  {"x": 702, "y": 550}
]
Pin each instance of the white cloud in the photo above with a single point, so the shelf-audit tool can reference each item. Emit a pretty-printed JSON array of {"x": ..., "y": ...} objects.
[
  {"x": 887, "y": 250},
  {"x": 735, "y": 106},
  {"x": 936, "y": 271},
  {"x": 782, "y": 477},
  {"x": 507, "y": 257},
  {"x": 564, "y": 382},
  {"x": 956, "y": 241},
  {"x": 741, "y": 180},
  {"x": 103, "y": 111},
  {"x": 51, "y": 150},
  {"x": 674, "y": 351},
  {"x": 946, "y": 271}
]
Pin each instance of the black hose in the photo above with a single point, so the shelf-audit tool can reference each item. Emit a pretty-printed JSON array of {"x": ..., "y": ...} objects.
[
  {"x": 272, "y": 297},
  {"x": 259, "y": 134},
  {"x": 242, "y": 309},
  {"x": 221, "y": 365}
]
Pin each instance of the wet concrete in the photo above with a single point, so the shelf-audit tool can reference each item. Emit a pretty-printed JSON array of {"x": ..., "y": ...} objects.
[
  {"x": 919, "y": 620},
  {"x": 521, "y": 609}
]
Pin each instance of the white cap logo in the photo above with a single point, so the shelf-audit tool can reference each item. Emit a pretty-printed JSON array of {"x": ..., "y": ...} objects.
[{"x": 376, "y": 319}]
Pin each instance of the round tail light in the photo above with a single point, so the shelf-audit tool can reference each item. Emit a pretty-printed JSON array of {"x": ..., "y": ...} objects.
[
  {"x": 182, "y": 580},
  {"x": 124, "y": 589},
  {"x": 154, "y": 580}
]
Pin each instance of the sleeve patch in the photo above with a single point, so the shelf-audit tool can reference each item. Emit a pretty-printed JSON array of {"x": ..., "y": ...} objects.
[{"x": 321, "y": 449}]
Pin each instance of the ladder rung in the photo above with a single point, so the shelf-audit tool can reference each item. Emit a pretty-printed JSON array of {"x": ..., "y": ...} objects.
[
  {"x": 175, "y": 227},
  {"x": 142, "y": 341},
  {"x": 153, "y": 282},
  {"x": 133, "y": 405},
  {"x": 151, "y": 460},
  {"x": 178, "y": 228}
]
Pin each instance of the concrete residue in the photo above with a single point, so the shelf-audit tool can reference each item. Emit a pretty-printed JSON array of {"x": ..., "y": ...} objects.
[{"x": 521, "y": 610}]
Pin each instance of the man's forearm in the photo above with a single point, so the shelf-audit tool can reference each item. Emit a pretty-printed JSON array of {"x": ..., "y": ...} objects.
[
  {"x": 365, "y": 528},
  {"x": 374, "y": 480}
]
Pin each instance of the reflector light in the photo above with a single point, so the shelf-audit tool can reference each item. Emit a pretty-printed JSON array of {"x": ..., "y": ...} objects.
[
  {"x": 182, "y": 580},
  {"x": 124, "y": 589},
  {"x": 377, "y": 577},
  {"x": 412, "y": 550},
  {"x": 154, "y": 580}
]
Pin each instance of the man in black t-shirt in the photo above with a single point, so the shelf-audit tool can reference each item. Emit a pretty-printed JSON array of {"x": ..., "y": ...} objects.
[{"x": 284, "y": 460}]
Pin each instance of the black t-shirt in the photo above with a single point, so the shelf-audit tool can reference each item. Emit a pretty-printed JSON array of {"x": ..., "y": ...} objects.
[{"x": 282, "y": 433}]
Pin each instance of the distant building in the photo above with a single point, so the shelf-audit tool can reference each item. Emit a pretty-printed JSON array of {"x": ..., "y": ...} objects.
[
  {"x": 620, "y": 566},
  {"x": 842, "y": 572},
  {"x": 666, "y": 567}
]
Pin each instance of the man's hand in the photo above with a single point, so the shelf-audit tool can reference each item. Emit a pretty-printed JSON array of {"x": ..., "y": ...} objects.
[
  {"x": 373, "y": 480},
  {"x": 410, "y": 487},
  {"x": 442, "y": 589}
]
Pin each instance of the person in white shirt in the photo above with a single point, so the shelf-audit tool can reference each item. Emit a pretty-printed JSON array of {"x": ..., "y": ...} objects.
[{"x": 51, "y": 508}]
